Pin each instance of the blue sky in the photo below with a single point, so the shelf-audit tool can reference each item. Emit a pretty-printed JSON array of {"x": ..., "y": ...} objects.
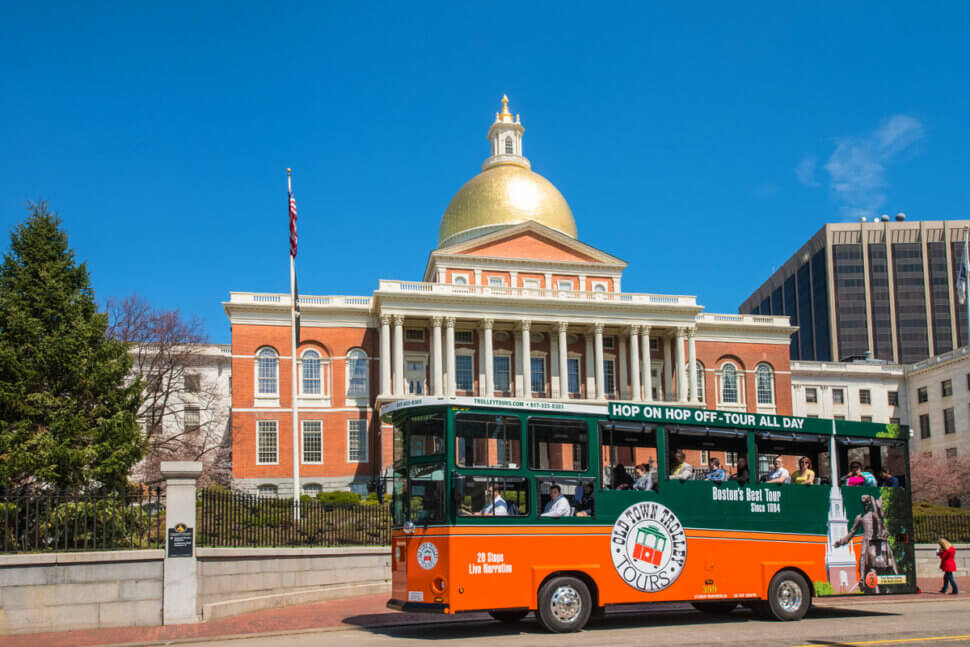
[{"x": 702, "y": 143}]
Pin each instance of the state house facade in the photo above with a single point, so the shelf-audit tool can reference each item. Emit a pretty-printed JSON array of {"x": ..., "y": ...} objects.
[{"x": 511, "y": 305}]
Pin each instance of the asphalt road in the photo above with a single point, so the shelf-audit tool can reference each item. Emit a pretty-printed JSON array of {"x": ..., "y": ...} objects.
[{"x": 936, "y": 623}]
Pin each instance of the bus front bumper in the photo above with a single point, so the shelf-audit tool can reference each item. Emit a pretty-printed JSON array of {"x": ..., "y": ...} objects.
[{"x": 417, "y": 607}]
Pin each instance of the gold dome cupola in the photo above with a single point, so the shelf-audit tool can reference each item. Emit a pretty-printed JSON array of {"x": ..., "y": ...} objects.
[{"x": 506, "y": 192}]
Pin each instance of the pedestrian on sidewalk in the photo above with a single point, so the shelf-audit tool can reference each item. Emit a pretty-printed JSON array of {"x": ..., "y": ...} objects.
[{"x": 948, "y": 564}]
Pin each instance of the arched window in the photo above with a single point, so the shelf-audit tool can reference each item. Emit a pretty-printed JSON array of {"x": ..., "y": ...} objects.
[
  {"x": 459, "y": 279},
  {"x": 312, "y": 489},
  {"x": 357, "y": 377},
  {"x": 729, "y": 384},
  {"x": 765, "y": 382},
  {"x": 599, "y": 287},
  {"x": 700, "y": 381},
  {"x": 311, "y": 382},
  {"x": 267, "y": 490},
  {"x": 267, "y": 372},
  {"x": 509, "y": 146}
]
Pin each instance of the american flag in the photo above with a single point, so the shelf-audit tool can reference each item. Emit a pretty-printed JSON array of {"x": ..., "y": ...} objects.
[
  {"x": 964, "y": 272},
  {"x": 293, "y": 236}
]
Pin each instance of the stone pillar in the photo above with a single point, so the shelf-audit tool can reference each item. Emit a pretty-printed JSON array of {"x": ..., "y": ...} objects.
[
  {"x": 525, "y": 327},
  {"x": 385, "y": 355},
  {"x": 598, "y": 345},
  {"x": 636, "y": 393},
  {"x": 436, "y": 385},
  {"x": 489, "y": 360},
  {"x": 180, "y": 584},
  {"x": 555, "y": 381},
  {"x": 646, "y": 368},
  {"x": 679, "y": 366},
  {"x": 622, "y": 390},
  {"x": 450, "y": 353},
  {"x": 667, "y": 363},
  {"x": 561, "y": 328},
  {"x": 590, "y": 367},
  {"x": 692, "y": 365},
  {"x": 516, "y": 367},
  {"x": 398, "y": 355}
]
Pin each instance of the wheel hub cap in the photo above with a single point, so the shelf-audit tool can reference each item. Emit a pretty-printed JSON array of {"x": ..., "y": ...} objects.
[
  {"x": 566, "y": 604},
  {"x": 789, "y": 596}
]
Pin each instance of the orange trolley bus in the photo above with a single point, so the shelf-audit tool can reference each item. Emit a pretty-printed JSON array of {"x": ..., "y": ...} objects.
[{"x": 518, "y": 506}]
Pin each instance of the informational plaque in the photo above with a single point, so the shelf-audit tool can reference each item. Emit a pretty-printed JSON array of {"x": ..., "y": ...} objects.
[{"x": 180, "y": 541}]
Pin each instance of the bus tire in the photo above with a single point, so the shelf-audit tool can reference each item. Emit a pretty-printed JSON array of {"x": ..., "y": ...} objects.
[
  {"x": 510, "y": 617},
  {"x": 564, "y": 604},
  {"x": 715, "y": 608},
  {"x": 788, "y": 596}
]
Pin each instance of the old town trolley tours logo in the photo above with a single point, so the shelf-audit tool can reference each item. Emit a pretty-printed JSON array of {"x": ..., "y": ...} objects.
[
  {"x": 427, "y": 556},
  {"x": 648, "y": 546}
]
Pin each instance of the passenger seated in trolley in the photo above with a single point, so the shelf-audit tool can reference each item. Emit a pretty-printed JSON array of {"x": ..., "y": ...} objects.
[
  {"x": 683, "y": 470},
  {"x": 741, "y": 475},
  {"x": 621, "y": 478},
  {"x": 643, "y": 480},
  {"x": 558, "y": 505},
  {"x": 779, "y": 474},
  {"x": 583, "y": 501},
  {"x": 804, "y": 475},
  {"x": 716, "y": 473},
  {"x": 497, "y": 505}
]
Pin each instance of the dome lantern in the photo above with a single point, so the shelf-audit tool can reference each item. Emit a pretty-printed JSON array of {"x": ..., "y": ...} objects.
[{"x": 505, "y": 136}]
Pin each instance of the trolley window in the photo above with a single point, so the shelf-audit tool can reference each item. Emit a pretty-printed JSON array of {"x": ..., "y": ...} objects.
[
  {"x": 804, "y": 457},
  {"x": 491, "y": 496},
  {"x": 704, "y": 454},
  {"x": 488, "y": 440},
  {"x": 558, "y": 444},
  {"x": 628, "y": 449}
]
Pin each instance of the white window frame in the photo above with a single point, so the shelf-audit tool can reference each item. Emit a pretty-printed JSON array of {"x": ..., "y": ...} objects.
[
  {"x": 466, "y": 278},
  {"x": 303, "y": 434},
  {"x": 738, "y": 385},
  {"x": 266, "y": 486},
  {"x": 357, "y": 399},
  {"x": 531, "y": 285},
  {"x": 496, "y": 281},
  {"x": 771, "y": 384},
  {"x": 508, "y": 357},
  {"x": 325, "y": 384},
  {"x": 318, "y": 487},
  {"x": 185, "y": 417},
  {"x": 599, "y": 286},
  {"x": 538, "y": 354},
  {"x": 701, "y": 383},
  {"x": 565, "y": 285},
  {"x": 579, "y": 373},
  {"x": 275, "y": 394},
  {"x": 276, "y": 435},
  {"x": 609, "y": 357},
  {"x": 465, "y": 352},
  {"x": 423, "y": 359},
  {"x": 362, "y": 448},
  {"x": 420, "y": 338},
  {"x": 470, "y": 333}
]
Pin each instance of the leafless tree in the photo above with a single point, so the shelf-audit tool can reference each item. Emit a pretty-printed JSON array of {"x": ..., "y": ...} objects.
[
  {"x": 940, "y": 480},
  {"x": 185, "y": 414}
]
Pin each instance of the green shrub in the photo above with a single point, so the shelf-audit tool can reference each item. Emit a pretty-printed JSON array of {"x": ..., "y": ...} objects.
[
  {"x": 823, "y": 588},
  {"x": 338, "y": 498}
]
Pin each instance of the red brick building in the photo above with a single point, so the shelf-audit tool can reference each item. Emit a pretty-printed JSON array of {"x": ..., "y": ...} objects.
[{"x": 511, "y": 305}]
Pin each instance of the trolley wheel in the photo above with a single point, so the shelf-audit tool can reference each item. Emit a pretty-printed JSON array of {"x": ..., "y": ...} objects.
[
  {"x": 510, "y": 617},
  {"x": 715, "y": 608},
  {"x": 564, "y": 605},
  {"x": 788, "y": 597}
]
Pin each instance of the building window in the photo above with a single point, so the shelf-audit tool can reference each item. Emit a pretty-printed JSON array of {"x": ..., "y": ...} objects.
[
  {"x": 357, "y": 441},
  {"x": 924, "y": 425},
  {"x": 894, "y": 421},
  {"x": 765, "y": 384},
  {"x": 464, "y": 380},
  {"x": 865, "y": 396},
  {"x": 509, "y": 146},
  {"x": 921, "y": 394},
  {"x": 949, "y": 427},
  {"x": 609, "y": 376},
  {"x": 537, "y": 369},
  {"x": 267, "y": 445},
  {"x": 312, "y": 489},
  {"x": 572, "y": 367},
  {"x": 415, "y": 376},
  {"x": 811, "y": 394},
  {"x": 414, "y": 334},
  {"x": 840, "y": 417},
  {"x": 464, "y": 337},
  {"x": 459, "y": 279},
  {"x": 267, "y": 490},
  {"x": 608, "y": 342},
  {"x": 312, "y": 441},
  {"x": 501, "y": 368},
  {"x": 946, "y": 387},
  {"x": 193, "y": 382},
  {"x": 564, "y": 284},
  {"x": 191, "y": 419},
  {"x": 357, "y": 374},
  {"x": 893, "y": 398},
  {"x": 700, "y": 380},
  {"x": 866, "y": 418},
  {"x": 599, "y": 286},
  {"x": 267, "y": 371},
  {"x": 838, "y": 396},
  {"x": 496, "y": 281},
  {"x": 729, "y": 384},
  {"x": 312, "y": 377},
  {"x": 951, "y": 452}
]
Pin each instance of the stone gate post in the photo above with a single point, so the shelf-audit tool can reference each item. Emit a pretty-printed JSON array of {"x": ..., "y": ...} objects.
[{"x": 179, "y": 600}]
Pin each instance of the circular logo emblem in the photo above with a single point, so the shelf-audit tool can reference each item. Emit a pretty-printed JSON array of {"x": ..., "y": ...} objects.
[
  {"x": 648, "y": 546},
  {"x": 427, "y": 556}
]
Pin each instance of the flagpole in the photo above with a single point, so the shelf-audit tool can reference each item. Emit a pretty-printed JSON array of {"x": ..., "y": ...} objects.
[
  {"x": 966, "y": 288},
  {"x": 293, "y": 374}
]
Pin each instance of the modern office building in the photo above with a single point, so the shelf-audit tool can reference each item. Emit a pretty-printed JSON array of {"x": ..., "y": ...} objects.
[{"x": 885, "y": 287}]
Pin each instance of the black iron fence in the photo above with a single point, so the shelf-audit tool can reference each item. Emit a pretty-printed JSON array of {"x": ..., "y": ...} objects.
[
  {"x": 232, "y": 519},
  {"x": 953, "y": 527},
  {"x": 77, "y": 521}
]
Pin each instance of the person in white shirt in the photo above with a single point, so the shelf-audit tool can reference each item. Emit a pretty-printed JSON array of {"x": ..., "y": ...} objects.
[
  {"x": 558, "y": 505},
  {"x": 780, "y": 474},
  {"x": 683, "y": 471},
  {"x": 497, "y": 507}
]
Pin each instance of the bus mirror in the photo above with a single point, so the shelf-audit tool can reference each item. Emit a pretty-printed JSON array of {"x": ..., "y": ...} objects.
[{"x": 408, "y": 528}]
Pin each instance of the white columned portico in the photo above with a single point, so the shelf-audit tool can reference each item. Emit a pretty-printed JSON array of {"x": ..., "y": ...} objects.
[
  {"x": 487, "y": 326},
  {"x": 385, "y": 355},
  {"x": 590, "y": 367},
  {"x": 524, "y": 327},
  {"x": 679, "y": 366},
  {"x": 436, "y": 385},
  {"x": 621, "y": 359},
  {"x": 692, "y": 365},
  {"x": 561, "y": 328},
  {"x": 598, "y": 345},
  {"x": 398, "y": 355},
  {"x": 667, "y": 363},
  {"x": 645, "y": 365},
  {"x": 450, "y": 353},
  {"x": 635, "y": 391}
]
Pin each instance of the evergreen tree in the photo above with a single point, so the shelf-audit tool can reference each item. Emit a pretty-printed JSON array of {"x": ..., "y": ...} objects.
[{"x": 67, "y": 406}]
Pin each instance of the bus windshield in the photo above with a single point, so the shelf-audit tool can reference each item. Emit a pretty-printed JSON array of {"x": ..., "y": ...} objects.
[{"x": 419, "y": 470}]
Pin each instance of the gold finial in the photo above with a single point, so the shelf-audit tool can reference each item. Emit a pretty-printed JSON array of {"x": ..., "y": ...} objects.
[
  {"x": 288, "y": 171},
  {"x": 505, "y": 106}
]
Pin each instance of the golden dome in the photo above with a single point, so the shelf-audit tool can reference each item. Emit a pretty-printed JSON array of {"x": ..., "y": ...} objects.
[{"x": 506, "y": 194}]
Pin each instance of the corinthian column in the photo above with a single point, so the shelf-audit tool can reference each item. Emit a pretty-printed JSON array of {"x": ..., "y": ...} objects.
[
  {"x": 385, "y": 355},
  {"x": 489, "y": 358},
  {"x": 635, "y": 391},
  {"x": 598, "y": 345},
  {"x": 692, "y": 365},
  {"x": 524, "y": 327},
  {"x": 398, "y": 355},
  {"x": 450, "y": 353},
  {"x": 561, "y": 328},
  {"x": 437, "y": 386},
  {"x": 647, "y": 371},
  {"x": 679, "y": 366}
]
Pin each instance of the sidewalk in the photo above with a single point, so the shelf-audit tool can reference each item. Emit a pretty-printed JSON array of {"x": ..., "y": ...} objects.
[{"x": 352, "y": 613}]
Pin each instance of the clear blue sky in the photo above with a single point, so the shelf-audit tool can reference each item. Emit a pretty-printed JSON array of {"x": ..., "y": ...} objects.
[{"x": 702, "y": 144}]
